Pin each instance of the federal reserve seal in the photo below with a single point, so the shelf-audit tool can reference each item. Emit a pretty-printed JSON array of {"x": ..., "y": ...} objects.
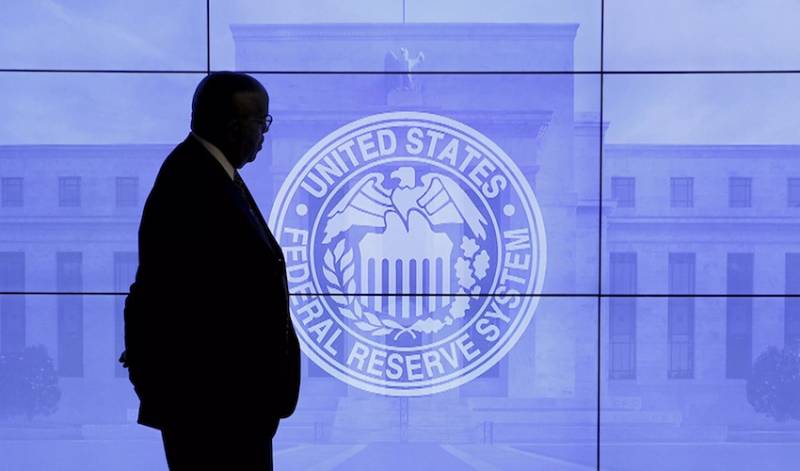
[{"x": 412, "y": 244}]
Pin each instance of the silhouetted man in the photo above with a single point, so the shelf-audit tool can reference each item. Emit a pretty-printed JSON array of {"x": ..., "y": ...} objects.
[{"x": 209, "y": 344}]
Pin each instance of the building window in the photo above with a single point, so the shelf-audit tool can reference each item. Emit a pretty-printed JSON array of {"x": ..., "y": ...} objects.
[
  {"x": 739, "y": 316},
  {"x": 791, "y": 310},
  {"x": 623, "y": 190},
  {"x": 69, "y": 278},
  {"x": 739, "y": 192},
  {"x": 125, "y": 264},
  {"x": 69, "y": 192},
  {"x": 682, "y": 192},
  {"x": 12, "y": 308},
  {"x": 11, "y": 192},
  {"x": 680, "y": 312},
  {"x": 623, "y": 316},
  {"x": 793, "y": 192},
  {"x": 127, "y": 192}
]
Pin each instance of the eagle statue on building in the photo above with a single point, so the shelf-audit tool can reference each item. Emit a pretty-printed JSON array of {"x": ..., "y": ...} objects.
[{"x": 403, "y": 63}]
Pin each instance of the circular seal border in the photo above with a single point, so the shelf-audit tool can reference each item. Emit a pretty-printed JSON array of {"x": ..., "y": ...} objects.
[{"x": 525, "y": 314}]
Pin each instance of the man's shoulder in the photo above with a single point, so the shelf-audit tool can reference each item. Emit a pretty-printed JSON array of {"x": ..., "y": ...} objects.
[
  {"x": 187, "y": 164},
  {"x": 184, "y": 156},
  {"x": 184, "y": 176}
]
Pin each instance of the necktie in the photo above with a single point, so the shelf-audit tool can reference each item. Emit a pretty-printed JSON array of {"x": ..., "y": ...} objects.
[{"x": 237, "y": 179}]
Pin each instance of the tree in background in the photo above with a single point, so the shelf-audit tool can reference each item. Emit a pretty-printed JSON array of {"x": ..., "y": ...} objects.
[
  {"x": 28, "y": 383},
  {"x": 773, "y": 387}
]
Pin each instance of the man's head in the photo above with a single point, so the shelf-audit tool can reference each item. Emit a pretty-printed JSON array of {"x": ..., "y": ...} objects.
[{"x": 231, "y": 111}]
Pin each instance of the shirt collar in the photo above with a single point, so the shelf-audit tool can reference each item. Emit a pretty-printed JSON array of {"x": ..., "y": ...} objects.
[{"x": 214, "y": 150}]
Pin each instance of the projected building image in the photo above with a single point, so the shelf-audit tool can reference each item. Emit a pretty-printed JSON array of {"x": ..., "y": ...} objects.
[{"x": 461, "y": 286}]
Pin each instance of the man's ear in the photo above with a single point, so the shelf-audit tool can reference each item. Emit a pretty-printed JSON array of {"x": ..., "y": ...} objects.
[{"x": 233, "y": 129}]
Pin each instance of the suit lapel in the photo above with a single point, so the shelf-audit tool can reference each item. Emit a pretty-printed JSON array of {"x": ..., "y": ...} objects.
[{"x": 239, "y": 201}]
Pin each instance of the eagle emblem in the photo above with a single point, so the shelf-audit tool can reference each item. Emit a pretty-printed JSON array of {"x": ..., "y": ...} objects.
[
  {"x": 407, "y": 253},
  {"x": 414, "y": 251}
]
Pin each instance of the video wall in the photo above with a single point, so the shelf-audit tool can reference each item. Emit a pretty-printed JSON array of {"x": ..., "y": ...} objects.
[{"x": 519, "y": 235}]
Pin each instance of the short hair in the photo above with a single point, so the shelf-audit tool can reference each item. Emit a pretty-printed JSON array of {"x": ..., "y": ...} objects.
[{"x": 212, "y": 104}]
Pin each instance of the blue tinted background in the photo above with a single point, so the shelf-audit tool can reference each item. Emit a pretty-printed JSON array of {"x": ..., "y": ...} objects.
[{"x": 672, "y": 254}]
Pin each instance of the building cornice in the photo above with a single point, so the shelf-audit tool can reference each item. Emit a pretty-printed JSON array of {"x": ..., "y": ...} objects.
[
  {"x": 471, "y": 31},
  {"x": 534, "y": 122},
  {"x": 497, "y": 116},
  {"x": 85, "y": 150},
  {"x": 704, "y": 219},
  {"x": 640, "y": 151}
]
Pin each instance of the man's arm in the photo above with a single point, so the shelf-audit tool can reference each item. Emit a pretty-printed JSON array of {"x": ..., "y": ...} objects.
[
  {"x": 291, "y": 380},
  {"x": 168, "y": 283}
]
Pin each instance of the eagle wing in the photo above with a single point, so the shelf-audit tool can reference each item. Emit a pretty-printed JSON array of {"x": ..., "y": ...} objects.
[
  {"x": 365, "y": 204},
  {"x": 445, "y": 202},
  {"x": 392, "y": 63}
]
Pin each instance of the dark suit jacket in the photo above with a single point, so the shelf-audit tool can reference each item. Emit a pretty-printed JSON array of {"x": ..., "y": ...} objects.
[{"x": 208, "y": 339}]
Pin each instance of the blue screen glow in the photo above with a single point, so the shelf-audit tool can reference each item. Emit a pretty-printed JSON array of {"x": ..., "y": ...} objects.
[{"x": 515, "y": 239}]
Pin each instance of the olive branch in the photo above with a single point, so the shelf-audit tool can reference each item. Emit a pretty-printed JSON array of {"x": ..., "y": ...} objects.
[{"x": 339, "y": 270}]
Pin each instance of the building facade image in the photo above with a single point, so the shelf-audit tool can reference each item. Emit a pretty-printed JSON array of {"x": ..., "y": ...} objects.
[{"x": 676, "y": 220}]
